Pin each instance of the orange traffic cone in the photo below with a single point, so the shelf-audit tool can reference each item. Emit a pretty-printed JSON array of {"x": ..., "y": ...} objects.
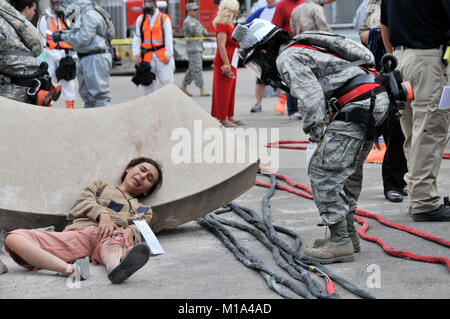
[
  {"x": 281, "y": 103},
  {"x": 376, "y": 155}
]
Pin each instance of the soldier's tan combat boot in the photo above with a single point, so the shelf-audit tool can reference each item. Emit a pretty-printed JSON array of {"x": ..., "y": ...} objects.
[
  {"x": 204, "y": 92},
  {"x": 185, "y": 90},
  {"x": 352, "y": 233},
  {"x": 338, "y": 249}
]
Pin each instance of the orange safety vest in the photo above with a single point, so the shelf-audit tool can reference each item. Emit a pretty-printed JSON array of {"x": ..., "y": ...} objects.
[
  {"x": 54, "y": 27},
  {"x": 153, "y": 38}
]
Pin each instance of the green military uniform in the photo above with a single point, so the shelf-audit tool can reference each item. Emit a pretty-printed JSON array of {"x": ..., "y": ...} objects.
[
  {"x": 192, "y": 28},
  {"x": 336, "y": 169}
]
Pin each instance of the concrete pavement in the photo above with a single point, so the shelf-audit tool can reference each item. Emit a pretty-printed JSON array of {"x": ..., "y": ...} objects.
[{"x": 196, "y": 265}]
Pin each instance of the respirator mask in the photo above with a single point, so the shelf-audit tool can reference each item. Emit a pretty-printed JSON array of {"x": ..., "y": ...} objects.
[
  {"x": 149, "y": 8},
  {"x": 264, "y": 66}
]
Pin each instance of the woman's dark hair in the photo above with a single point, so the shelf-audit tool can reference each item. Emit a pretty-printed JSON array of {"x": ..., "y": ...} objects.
[
  {"x": 20, "y": 5},
  {"x": 139, "y": 160}
]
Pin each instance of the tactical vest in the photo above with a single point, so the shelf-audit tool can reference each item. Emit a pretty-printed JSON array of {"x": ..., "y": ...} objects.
[
  {"x": 358, "y": 55},
  {"x": 53, "y": 27},
  {"x": 152, "y": 38},
  {"x": 345, "y": 48},
  {"x": 356, "y": 89}
]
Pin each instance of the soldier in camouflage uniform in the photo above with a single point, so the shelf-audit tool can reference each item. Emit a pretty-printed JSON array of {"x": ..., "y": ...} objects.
[
  {"x": 20, "y": 45},
  {"x": 192, "y": 28},
  {"x": 336, "y": 167}
]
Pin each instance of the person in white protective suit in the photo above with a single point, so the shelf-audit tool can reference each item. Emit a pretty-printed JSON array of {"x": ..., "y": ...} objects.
[
  {"x": 54, "y": 20},
  {"x": 153, "y": 43},
  {"x": 89, "y": 37}
]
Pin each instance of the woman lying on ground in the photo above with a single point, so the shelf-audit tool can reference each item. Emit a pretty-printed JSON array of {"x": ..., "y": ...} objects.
[{"x": 101, "y": 228}]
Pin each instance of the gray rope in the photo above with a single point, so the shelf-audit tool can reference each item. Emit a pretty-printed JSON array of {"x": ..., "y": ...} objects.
[{"x": 288, "y": 258}]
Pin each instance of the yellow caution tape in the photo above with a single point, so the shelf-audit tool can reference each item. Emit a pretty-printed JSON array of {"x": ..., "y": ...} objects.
[
  {"x": 121, "y": 41},
  {"x": 196, "y": 38},
  {"x": 130, "y": 41}
]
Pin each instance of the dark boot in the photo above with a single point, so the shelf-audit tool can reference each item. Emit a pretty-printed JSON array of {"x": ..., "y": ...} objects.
[
  {"x": 352, "y": 233},
  {"x": 338, "y": 249}
]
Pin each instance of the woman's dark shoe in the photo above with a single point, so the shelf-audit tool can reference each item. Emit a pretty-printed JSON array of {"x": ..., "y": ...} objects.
[
  {"x": 136, "y": 258},
  {"x": 394, "y": 196}
]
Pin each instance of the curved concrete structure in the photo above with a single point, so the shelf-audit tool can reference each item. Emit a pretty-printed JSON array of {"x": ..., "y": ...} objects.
[{"x": 49, "y": 155}]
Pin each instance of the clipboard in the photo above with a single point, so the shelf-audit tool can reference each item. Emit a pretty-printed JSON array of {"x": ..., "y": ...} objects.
[{"x": 150, "y": 238}]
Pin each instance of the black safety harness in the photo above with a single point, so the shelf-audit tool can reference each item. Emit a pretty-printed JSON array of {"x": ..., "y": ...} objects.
[
  {"x": 155, "y": 48},
  {"x": 356, "y": 89}
]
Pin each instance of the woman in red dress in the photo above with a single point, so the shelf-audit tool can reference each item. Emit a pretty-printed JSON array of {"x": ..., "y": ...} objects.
[{"x": 224, "y": 76}]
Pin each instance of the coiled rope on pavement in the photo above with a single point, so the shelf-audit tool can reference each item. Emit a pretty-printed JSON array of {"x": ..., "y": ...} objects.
[
  {"x": 288, "y": 258},
  {"x": 361, "y": 213}
]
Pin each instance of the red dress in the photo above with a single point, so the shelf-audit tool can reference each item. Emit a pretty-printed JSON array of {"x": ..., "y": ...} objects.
[{"x": 223, "y": 87}]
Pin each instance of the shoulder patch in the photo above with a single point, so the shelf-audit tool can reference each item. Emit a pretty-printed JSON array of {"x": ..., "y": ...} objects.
[
  {"x": 115, "y": 206},
  {"x": 143, "y": 209}
]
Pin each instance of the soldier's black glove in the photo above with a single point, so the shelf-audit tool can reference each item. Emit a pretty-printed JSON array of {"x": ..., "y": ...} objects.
[{"x": 57, "y": 36}]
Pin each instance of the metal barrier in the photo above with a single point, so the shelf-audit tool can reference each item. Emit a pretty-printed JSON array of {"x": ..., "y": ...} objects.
[{"x": 117, "y": 9}]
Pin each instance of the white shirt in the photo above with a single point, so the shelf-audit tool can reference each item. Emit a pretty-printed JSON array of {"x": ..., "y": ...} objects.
[
  {"x": 168, "y": 38},
  {"x": 267, "y": 13}
]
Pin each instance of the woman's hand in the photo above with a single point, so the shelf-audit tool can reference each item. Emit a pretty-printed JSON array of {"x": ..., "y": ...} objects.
[
  {"x": 106, "y": 227},
  {"x": 226, "y": 70}
]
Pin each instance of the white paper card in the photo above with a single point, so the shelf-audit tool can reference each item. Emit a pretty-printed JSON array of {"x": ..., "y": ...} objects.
[
  {"x": 235, "y": 59},
  {"x": 445, "y": 98},
  {"x": 149, "y": 236}
]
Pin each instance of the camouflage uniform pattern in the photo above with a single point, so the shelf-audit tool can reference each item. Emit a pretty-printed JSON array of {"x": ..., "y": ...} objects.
[
  {"x": 308, "y": 16},
  {"x": 336, "y": 169},
  {"x": 372, "y": 16},
  {"x": 192, "y": 28},
  {"x": 20, "y": 45}
]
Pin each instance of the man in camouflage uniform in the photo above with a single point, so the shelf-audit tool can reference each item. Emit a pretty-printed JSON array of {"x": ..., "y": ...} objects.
[
  {"x": 336, "y": 167},
  {"x": 192, "y": 28},
  {"x": 20, "y": 45}
]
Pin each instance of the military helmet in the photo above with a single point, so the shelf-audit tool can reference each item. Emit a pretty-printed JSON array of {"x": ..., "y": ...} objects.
[
  {"x": 254, "y": 34},
  {"x": 192, "y": 6},
  {"x": 257, "y": 49}
]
